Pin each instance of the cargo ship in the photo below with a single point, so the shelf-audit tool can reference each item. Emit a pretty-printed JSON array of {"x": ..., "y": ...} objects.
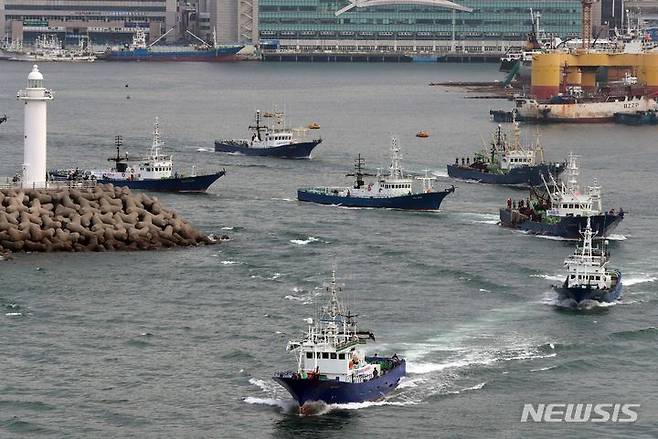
[
  {"x": 331, "y": 367},
  {"x": 138, "y": 50},
  {"x": 576, "y": 105},
  {"x": 560, "y": 209},
  {"x": 569, "y": 108},
  {"x": 506, "y": 162}
]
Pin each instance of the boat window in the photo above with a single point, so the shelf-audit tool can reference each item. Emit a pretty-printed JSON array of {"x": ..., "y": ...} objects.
[
  {"x": 341, "y": 356},
  {"x": 309, "y": 355},
  {"x": 598, "y": 277},
  {"x": 325, "y": 355},
  {"x": 318, "y": 355},
  {"x": 333, "y": 356},
  {"x": 573, "y": 276}
]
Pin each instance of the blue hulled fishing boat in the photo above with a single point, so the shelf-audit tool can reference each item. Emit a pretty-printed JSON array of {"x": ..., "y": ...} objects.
[
  {"x": 506, "y": 162},
  {"x": 152, "y": 173},
  {"x": 331, "y": 367},
  {"x": 561, "y": 209},
  {"x": 395, "y": 190},
  {"x": 138, "y": 50},
  {"x": 273, "y": 140},
  {"x": 649, "y": 117},
  {"x": 588, "y": 275}
]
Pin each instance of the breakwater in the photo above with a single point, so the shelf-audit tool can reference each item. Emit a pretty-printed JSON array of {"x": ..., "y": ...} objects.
[{"x": 99, "y": 218}]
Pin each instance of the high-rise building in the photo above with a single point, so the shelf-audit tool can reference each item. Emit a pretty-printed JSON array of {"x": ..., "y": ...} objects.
[
  {"x": 234, "y": 20},
  {"x": 492, "y": 26},
  {"x": 612, "y": 13},
  {"x": 102, "y": 20}
]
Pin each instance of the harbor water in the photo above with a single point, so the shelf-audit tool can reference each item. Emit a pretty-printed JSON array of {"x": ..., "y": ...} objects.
[{"x": 183, "y": 343}]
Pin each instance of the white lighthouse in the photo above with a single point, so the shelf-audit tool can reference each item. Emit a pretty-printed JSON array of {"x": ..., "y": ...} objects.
[{"x": 35, "y": 97}]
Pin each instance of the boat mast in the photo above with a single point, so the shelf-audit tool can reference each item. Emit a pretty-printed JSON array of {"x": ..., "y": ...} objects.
[
  {"x": 396, "y": 172},
  {"x": 358, "y": 172},
  {"x": 572, "y": 173},
  {"x": 155, "y": 146}
]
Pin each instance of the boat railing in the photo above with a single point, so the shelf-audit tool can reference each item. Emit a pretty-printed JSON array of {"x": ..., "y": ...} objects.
[{"x": 335, "y": 191}]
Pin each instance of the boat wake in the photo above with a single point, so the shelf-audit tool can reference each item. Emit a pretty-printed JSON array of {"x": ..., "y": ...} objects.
[
  {"x": 553, "y": 277},
  {"x": 306, "y": 241},
  {"x": 316, "y": 408},
  {"x": 585, "y": 305},
  {"x": 475, "y": 358},
  {"x": 440, "y": 173},
  {"x": 634, "y": 280},
  {"x": 301, "y": 295},
  {"x": 202, "y": 150},
  {"x": 552, "y": 238},
  {"x": 616, "y": 237},
  {"x": 483, "y": 218}
]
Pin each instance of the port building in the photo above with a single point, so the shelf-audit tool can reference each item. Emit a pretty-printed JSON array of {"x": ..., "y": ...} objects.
[
  {"x": 102, "y": 20},
  {"x": 403, "y": 25}
]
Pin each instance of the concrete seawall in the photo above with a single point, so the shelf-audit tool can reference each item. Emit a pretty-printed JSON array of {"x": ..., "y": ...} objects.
[{"x": 101, "y": 218}]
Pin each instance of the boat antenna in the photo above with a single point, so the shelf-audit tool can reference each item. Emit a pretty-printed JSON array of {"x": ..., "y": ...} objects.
[
  {"x": 258, "y": 127},
  {"x": 572, "y": 173},
  {"x": 118, "y": 142},
  {"x": 396, "y": 172},
  {"x": 358, "y": 173},
  {"x": 155, "y": 146}
]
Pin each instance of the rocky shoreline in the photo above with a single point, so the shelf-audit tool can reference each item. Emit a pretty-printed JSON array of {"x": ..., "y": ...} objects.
[{"x": 101, "y": 218}]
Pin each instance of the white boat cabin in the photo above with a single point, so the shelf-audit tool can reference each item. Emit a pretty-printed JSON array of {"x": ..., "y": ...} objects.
[
  {"x": 587, "y": 267},
  {"x": 276, "y": 134},
  {"x": 330, "y": 346},
  {"x": 393, "y": 184},
  {"x": 568, "y": 200},
  {"x": 154, "y": 166}
]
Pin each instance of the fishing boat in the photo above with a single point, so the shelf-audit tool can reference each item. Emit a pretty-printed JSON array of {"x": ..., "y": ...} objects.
[
  {"x": 153, "y": 172},
  {"x": 331, "y": 367},
  {"x": 274, "y": 140},
  {"x": 313, "y": 126},
  {"x": 138, "y": 50},
  {"x": 506, "y": 162},
  {"x": 588, "y": 275},
  {"x": 422, "y": 134},
  {"x": 649, "y": 117},
  {"x": 48, "y": 48},
  {"x": 3, "y": 119},
  {"x": 395, "y": 190},
  {"x": 561, "y": 209}
]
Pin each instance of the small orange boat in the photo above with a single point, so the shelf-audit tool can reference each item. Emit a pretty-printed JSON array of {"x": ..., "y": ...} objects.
[
  {"x": 422, "y": 134},
  {"x": 314, "y": 126}
]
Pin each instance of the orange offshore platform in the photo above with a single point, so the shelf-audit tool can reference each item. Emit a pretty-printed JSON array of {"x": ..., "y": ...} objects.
[
  {"x": 585, "y": 87},
  {"x": 550, "y": 70}
]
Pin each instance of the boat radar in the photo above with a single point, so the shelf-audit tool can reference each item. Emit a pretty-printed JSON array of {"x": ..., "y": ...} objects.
[{"x": 35, "y": 97}]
